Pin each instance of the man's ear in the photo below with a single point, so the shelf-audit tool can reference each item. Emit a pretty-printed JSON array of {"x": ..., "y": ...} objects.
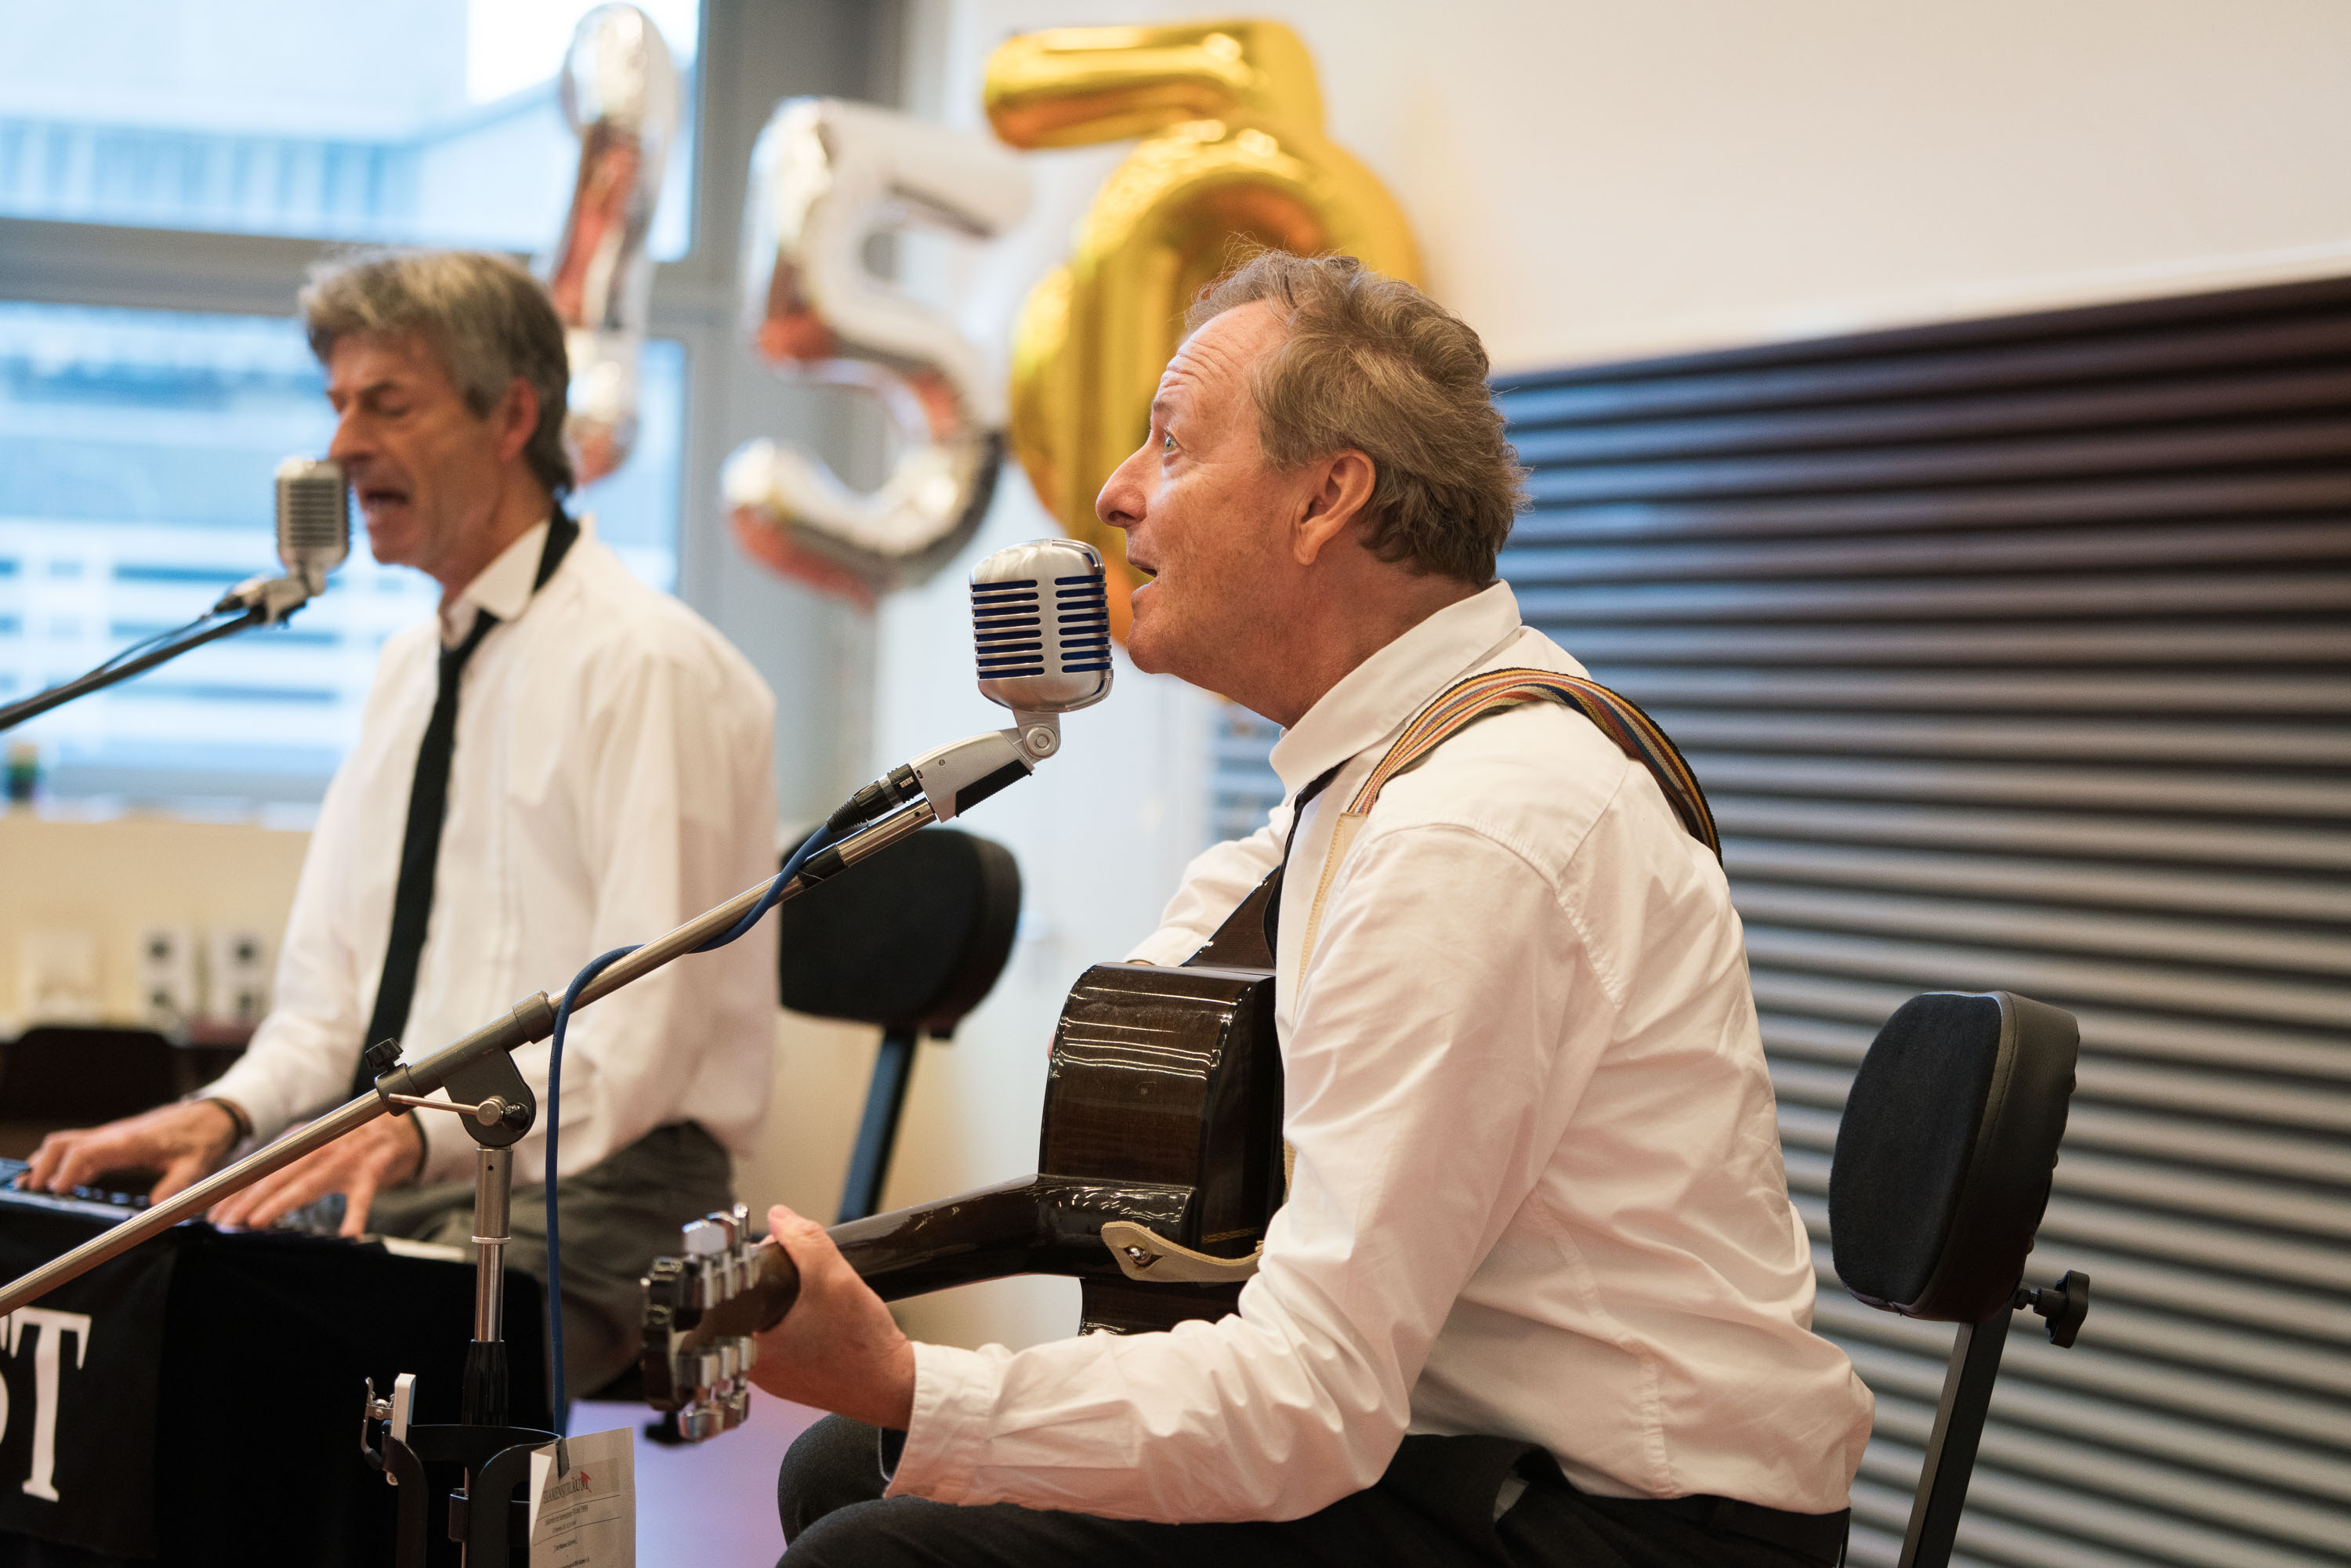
[
  {"x": 517, "y": 418},
  {"x": 1338, "y": 493}
]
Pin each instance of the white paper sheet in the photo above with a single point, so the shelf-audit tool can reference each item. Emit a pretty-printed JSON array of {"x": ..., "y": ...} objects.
[{"x": 583, "y": 1503}]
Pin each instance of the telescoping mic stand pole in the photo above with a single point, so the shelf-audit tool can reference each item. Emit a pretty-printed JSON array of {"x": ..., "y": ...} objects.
[{"x": 497, "y": 1108}]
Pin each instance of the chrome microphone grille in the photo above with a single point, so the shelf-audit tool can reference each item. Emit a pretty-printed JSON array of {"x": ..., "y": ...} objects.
[
  {"x": 1008, "y": 628},
  {"x": 1040, "y": 626},
  {"x": 1081, "y": 610},
  {"x": 314, "y": 518}
]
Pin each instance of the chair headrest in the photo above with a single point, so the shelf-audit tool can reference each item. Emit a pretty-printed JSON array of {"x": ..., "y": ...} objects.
[
  {"x": 1945, "y": 1151},
  {"x": 910, "y": 938}
]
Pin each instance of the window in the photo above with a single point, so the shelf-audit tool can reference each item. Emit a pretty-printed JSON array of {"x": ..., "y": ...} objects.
[
  {"x": 248, "y": 116},
  {"x": 1242, "y": 784},
  {"x": 136, "y": 444},
  {"x": 136, "y": 450}
]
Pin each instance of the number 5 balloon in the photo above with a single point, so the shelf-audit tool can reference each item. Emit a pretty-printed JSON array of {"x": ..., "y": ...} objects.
[
  {"x": 825, "y": 176},
  {"x": 1232, "y": 149},
  {"x": 620, "y": 94}
]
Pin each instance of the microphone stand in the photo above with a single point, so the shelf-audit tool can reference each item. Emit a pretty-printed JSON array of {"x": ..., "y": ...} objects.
[
  {"x": 498, "y": 1110},
  {"x": 105, "y": 675},
  {"x": 265, "y": 601}
]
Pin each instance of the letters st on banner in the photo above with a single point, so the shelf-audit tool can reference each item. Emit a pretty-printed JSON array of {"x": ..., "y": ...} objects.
[
  {"x": 80, "y": 1380},
  {"x": 207, "y": 1397}
]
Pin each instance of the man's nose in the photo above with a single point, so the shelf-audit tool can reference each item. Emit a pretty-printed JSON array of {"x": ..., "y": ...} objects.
[
  {"x": 349, "y": 444},
  {"x": 1121, "y": 503}
]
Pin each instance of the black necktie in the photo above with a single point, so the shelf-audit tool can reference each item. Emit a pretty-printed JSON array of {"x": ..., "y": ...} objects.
[{"x": 428, "y": 804}]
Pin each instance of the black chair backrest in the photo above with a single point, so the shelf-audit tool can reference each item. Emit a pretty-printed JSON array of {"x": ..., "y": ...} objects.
[
  {"x": 1945, "y": 1151},
  {"x": 911, "y": 939}
]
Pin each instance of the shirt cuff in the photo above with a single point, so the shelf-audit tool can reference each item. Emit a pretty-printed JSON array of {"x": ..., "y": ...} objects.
[
  {"x": 257, "y": 1090},
  {"x": 955, "y": 1393}
]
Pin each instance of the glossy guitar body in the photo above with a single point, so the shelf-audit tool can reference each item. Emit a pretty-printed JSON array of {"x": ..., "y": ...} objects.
[{"x": 1169, "y": 1077}]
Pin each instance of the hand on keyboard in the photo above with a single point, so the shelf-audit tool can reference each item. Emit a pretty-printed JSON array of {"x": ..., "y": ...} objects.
[{"x": 185, "y": 1140}]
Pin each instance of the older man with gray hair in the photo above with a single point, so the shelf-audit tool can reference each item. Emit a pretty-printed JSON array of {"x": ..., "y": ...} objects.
[
  {"x": 1537, "y": 1295},
  {"x": 562, "y": 761}
]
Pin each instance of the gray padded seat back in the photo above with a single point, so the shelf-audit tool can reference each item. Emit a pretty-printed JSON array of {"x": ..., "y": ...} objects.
[{"x": 1945, "y": 1151}]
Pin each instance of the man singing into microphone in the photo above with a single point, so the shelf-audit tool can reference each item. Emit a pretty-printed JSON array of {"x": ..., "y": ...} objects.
[
  {"x": 1537, "y": 1295},
  {"x": 562, "y": 762}
]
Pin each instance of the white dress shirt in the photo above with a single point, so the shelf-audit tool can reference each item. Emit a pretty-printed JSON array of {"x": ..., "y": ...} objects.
[
  {"x": 613, "y": 777},
  {"x": 1538, "y": 1190}
]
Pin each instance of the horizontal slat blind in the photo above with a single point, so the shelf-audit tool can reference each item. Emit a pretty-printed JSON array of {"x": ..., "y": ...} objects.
[{"x": 2016, "y": 654}]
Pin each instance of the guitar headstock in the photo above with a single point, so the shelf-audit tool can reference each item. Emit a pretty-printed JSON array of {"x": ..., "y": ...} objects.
[{"x": 702, "y": 1309}]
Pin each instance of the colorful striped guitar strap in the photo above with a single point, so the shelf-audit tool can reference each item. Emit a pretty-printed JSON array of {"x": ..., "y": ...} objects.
[{"x": 1634, "y": 733}]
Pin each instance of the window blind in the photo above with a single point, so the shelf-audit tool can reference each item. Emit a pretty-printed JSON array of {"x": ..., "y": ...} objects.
[{"x": 2015, "y": 654}]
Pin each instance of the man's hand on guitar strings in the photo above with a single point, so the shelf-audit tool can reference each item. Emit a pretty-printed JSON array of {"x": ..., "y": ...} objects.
[{"x": 838, "y": 1349}]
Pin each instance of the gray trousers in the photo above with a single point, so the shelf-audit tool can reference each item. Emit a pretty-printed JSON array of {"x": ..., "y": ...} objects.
[
  {"x": 1440, "y": 1505},
  {"x": 618, "y": 1215}
]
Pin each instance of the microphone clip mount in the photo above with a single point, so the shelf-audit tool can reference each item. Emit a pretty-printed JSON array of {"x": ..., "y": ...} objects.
[
  {"x": 1039, "y": 734},
  {"x": 957, "y": 777},
  {"x": 274, "y": 597}
]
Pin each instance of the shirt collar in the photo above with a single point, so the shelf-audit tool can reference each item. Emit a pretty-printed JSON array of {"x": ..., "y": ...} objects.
[
  {"x": 503, "y": 588},
  {"x": 1379, "y": 695}
]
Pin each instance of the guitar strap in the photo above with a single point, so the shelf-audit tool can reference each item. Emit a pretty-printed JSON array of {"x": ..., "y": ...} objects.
[{"x": 1637, "y": 735}]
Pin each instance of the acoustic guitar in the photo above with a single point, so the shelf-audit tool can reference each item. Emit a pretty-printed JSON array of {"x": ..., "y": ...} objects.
[{"x": 1159, "y": 1165}]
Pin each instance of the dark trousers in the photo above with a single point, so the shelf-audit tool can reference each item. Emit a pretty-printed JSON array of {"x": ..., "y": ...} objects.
[
  {"x": 618, "y": 1215},
  {"x": 1434, "y": 1508}
]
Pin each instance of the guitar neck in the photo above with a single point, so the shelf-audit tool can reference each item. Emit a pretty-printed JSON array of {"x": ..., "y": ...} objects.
[{"x": 1037, "y": 1225}]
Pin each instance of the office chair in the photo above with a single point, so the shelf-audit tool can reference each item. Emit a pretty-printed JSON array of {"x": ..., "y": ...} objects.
[
  {"x": 911, "y": 941},
  {"x": 1943, "y": 1163}
]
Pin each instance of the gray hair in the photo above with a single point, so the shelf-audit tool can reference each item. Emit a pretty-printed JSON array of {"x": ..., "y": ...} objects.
[
  {"x": 1373, "y": 364},
  {"x": 487, "y": 319}
]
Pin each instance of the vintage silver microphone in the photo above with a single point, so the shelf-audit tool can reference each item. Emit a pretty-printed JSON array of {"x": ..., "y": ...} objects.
[
  {"x": 314, "y": 536},
  {"x": 1041, "y": 635},
  {"x": 1041, "y": 629}
]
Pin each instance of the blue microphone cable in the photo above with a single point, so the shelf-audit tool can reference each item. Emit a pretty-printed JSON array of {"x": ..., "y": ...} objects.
[{"x": 560, "y": 1395}]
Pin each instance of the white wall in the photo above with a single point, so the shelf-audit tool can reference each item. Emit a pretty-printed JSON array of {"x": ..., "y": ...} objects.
[
  {"x": 1592, "y": 180},
  {"x": 111, "y": 881}
]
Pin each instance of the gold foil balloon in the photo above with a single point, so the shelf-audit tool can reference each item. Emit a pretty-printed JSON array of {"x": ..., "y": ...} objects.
[
  {"x": 1232, "y": 151},
  {"x": 620, "y": 94},
  {"x": 825, "y": 177}
]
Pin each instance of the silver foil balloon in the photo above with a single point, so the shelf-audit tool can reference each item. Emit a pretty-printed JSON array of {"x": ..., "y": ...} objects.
[
  {"x": 825, "y": 177},
  {"x": 620, "y": 94}
]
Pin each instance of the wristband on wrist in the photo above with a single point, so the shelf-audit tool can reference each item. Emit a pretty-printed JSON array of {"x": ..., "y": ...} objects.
[{"x": 237, "y": 1118}]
